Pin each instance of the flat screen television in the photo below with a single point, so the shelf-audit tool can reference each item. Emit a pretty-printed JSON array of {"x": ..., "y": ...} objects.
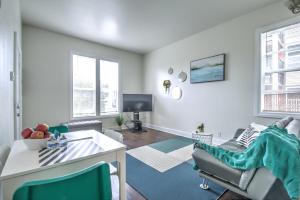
[{"x": 137, "y": 102}]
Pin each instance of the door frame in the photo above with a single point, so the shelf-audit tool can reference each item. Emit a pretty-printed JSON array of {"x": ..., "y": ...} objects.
[{"x": 17, "y": 84}]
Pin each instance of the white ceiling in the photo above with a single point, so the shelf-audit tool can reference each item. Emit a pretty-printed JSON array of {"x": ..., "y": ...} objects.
[{"x": 136, "y": 25}]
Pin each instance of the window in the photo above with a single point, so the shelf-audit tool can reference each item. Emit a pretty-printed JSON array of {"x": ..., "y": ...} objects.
[
  {"x": 109, "y": 87},
  {"x": 95, "y": 87},
  {"x": 84, "y": 86},
  {"x": 280, "y": 70}
]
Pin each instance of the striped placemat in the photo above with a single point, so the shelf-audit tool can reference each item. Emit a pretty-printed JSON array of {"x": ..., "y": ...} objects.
[{"x": 72, "y": 151}]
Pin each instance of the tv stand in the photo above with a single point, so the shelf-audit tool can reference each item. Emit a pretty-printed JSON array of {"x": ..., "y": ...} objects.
[{"x": 137, "y": 123}]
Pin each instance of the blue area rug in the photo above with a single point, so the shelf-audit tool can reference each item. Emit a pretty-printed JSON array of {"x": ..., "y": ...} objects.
[
  {"x": 178, "y": 183},
  {"x": 169, "y": 145}
]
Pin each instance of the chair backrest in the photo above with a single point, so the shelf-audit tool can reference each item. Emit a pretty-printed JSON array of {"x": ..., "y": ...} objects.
[
  {"x": 92, "y": 183},
  {"x": 60, "y": 129}
]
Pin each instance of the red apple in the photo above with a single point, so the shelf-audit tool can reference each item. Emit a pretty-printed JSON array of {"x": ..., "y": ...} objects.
[
  {"x": 37, "y": 135},
  {"x": 26, "y": 133},
  {"x": 47, "y": 135},
  {"x": 42, "y": 127}
]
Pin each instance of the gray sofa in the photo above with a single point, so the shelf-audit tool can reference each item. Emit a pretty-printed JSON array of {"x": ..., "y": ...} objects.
[{"x": 258, "y": 184}]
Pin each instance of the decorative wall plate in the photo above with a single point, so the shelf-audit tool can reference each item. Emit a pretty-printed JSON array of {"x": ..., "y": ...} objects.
[
  {"x": 182, "y": 76},
  {"x": 176, "y": 93}
]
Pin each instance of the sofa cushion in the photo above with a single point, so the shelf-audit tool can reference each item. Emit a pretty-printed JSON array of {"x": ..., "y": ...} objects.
[
  {"x": 232, "y": 145},
  {"x": 294, "y": 127}
]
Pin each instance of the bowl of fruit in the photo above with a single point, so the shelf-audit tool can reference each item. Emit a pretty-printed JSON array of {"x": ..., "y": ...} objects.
[{"x": 37, "y": 138}]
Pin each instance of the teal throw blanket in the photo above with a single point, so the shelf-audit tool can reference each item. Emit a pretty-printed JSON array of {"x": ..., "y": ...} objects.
[{"x": 274, "y": 149}]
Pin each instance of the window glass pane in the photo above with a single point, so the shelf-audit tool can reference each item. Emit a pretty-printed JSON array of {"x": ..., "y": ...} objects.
[
  {"x": 282, "y": 102},
  {"x": 109, "y": 87},
  {"x": 84, "y": 86},
  {"x": 282, "y": 92},
  {"x": 280, "y": 69}
]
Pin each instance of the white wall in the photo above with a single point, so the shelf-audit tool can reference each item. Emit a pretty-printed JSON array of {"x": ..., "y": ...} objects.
[
  {"x": 222, "y": 106},
  {"x": 10, "y": 21},
  {"x": 46, "y": 74}
]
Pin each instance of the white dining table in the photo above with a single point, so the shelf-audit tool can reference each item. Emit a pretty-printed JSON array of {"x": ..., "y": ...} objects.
[{"x": 25, "y": 165}]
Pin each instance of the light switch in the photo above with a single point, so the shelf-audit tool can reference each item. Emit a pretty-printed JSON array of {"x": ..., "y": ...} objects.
[{"x": 12, "y": 76}]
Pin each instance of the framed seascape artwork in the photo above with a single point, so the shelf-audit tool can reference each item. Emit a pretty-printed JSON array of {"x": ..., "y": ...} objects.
[{"x": 208, "y": 69}]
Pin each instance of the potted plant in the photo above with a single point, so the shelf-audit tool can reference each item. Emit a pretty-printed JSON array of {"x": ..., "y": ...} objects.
[
  {"x": 120, "y": 121},
  {"x": 200, "y": 128},
  {"x": 167, "y": 85}
]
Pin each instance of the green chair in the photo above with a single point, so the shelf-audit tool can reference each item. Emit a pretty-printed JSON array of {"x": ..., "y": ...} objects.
[
  {"x": 92, "y": 183},
  {"x": 60, "y": 129}
]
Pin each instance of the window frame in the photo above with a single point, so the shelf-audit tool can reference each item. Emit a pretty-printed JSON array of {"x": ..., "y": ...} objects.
[
  {"x": 98, "y": 89},
  {"x": 258, "y": 84}
]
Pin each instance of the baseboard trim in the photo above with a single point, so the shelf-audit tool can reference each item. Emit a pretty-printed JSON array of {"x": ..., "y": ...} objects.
[
  {"x": 169, "y": 130},
  {"x": 216, "y": 140}
]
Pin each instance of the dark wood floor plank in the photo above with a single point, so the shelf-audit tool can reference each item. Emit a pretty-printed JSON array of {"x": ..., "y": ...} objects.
[{"x": 134, "y": 140}]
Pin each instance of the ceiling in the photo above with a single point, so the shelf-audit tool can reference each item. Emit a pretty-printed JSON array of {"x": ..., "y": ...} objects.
[{"x": 137, "y": 25}]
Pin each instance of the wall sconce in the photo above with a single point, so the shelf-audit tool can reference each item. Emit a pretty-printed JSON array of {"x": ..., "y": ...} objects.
[
  {"x": 167, "y": 85},
  {"x": 294, "y": 6}
]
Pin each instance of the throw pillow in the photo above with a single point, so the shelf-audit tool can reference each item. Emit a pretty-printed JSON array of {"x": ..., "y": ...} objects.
[
  {"x": 294, "y": 127},
  {"x": 250, "y": 134},
  {"x": 284, "y": 122}
]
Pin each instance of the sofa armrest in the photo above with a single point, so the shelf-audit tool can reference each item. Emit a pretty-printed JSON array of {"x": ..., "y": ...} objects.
[
  {"x": 261, "y": 184},
  {"x": 238, "y": 132}
]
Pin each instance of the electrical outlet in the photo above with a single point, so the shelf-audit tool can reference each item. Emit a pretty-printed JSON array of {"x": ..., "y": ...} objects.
[{"x": 12, "y": 76}]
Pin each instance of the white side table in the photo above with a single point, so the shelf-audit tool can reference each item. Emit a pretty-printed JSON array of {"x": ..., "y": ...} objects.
[
  {"x": 207, "y": 139},
  {"x": 203, "y": 137}
]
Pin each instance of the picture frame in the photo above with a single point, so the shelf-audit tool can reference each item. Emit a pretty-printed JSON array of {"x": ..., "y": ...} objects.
[{"x": 209, "y": 69}]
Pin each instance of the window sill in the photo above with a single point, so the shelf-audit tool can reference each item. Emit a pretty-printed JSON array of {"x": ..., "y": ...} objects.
[
  {"x": 74, "y": 119},
  {"x": 277, "y": 115}
]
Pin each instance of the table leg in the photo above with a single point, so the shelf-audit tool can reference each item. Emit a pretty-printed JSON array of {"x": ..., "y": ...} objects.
[
  {"x": 121, "y": 158},
  {"x": 204, "y": 184}
]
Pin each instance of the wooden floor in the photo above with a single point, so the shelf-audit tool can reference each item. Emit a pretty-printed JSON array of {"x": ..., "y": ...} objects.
[{"x": 134, "y": 140}]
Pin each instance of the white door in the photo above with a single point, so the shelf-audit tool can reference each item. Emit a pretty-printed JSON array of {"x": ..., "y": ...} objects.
[{"x": 17, "y": 76}]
